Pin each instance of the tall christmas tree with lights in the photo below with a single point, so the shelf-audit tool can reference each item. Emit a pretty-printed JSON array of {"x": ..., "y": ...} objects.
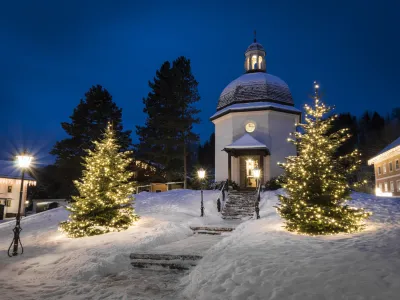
[
  {"x": 105, "y": 196},
  {"x": 316, "y": 181}
]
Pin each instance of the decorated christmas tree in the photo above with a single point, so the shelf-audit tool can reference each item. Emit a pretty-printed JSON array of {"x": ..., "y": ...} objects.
[
  {"x": 105, "y": 196},
  {"x": 317, "y": 181}
]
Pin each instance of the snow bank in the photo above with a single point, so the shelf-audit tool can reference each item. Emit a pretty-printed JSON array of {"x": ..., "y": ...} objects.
[
  {"x": 56, "y": 267},
  {"x": 261, "y": 260}
]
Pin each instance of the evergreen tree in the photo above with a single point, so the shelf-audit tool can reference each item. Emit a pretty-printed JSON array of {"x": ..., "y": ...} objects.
[
  {"x": 105, "y": 196},
  {"x": 187, "y": 95},
  {"x": 88, "y": 121},
  {"x": 316, "y": 181},
  {"x": 167, "y": 133}
]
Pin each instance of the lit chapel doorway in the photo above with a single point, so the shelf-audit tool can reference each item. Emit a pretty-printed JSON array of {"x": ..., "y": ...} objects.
[{"x": 247, "y": 166}]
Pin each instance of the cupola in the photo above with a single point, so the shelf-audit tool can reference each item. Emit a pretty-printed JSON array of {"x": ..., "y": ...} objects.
[{"x": 255, "y": 58}]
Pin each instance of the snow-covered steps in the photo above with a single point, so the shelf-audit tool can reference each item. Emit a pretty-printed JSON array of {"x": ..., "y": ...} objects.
[
  {"x": 186, "y": 253},
  {"x": 239, "y": 205},
  {"x": 163, "y": 261},
  {"x": 225, "y": 229},
  {"x": 211, "y": 230}
]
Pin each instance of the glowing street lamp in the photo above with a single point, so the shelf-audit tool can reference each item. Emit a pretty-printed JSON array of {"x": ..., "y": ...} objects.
[
  {"x": 23, "y": 162},
  {"x": 202, "y": 174}
]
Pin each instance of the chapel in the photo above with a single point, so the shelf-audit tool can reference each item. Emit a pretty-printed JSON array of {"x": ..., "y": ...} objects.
[{"x": 254, "y": 118}]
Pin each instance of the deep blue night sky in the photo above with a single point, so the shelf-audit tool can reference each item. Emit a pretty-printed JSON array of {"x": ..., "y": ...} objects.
[{"x": 51, "y": 54}]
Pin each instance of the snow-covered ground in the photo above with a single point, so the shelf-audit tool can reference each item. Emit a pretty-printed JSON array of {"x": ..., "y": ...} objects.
[
  {"x": 56, "y": 267},
  {"x": 259, "y": 260}
]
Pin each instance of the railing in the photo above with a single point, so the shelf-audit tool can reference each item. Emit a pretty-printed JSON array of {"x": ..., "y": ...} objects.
[
  {"x": 257, "y": 202},
  {"x": 222, "y": 196}
]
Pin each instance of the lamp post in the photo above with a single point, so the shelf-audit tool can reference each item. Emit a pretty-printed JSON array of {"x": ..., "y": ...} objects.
[
  {"x": 201, "y": 173},
  {"x": 23, "y": 162},
  {"x": 257, "y": 174}
]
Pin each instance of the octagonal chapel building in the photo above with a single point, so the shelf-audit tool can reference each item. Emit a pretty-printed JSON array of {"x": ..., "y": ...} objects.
[{"x": 255, "y": 115}]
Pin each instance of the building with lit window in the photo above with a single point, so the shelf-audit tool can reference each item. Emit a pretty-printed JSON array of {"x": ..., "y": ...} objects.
[
  {"x": 10, "y": 186},
  {"x": 255, "y": 115},
  {"x": 387, "y": 170}
]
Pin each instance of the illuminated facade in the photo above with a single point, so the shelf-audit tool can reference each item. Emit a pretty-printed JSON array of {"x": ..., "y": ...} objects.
[
  {"x": 10, "y": 185},
  {"x": 387, "y": 170},
  {"x": 255, "y": 115}
]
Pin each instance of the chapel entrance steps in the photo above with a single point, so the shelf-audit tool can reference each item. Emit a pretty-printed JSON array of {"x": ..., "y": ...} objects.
[
  {"x": 239, "y": 205},
  {"x": 191, "y": 249}
]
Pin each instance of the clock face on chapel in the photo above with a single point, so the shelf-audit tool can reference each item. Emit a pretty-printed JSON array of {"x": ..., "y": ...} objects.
[{"x": 250, "y": 127}]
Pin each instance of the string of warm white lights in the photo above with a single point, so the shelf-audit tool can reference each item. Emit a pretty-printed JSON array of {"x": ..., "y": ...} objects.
[
  {"x": 316, "y": 181},
  {"x": 105, "y": 196}
]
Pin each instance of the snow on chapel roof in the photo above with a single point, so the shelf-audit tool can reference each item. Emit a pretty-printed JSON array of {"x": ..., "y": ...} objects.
[
  {"x": 393, "y": 147},
  {"x": 258, "y": 86},
  {"x": 245, "y": 142},
  {"x": 255, "y": 106}
]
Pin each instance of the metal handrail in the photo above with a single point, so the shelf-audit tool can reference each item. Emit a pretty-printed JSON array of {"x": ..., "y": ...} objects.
[
  {"x": 257, "y": 202},
  {"x": 222, "y": 195}
]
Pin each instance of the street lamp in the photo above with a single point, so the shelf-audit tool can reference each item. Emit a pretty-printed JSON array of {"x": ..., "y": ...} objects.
[
  {"x": 201, "y": 173},
  {"x": 257, "y": 174},
  {"x": 23, "y": 161}
]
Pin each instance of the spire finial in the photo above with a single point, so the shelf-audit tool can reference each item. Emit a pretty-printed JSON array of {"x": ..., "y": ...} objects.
[{"x": 255, "y": 36}]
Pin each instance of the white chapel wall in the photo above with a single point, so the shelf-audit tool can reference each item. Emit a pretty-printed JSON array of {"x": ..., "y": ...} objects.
[
  {"x": 281, "y": 125},
  {"x": 223, "y": 137}
]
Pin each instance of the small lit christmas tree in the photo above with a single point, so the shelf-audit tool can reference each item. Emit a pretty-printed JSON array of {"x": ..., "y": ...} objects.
[
  {"x": 316, "y": 181},
  {"x": 105, "y": 196}
]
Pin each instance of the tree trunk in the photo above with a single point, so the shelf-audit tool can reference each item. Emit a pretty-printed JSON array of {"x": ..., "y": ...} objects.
[{"x": 184, "y": 167}]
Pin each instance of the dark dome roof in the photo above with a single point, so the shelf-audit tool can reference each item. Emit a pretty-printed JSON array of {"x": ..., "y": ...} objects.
[
  {"x": 255, "y": 87},
  {"x": 255, "y": 46}
]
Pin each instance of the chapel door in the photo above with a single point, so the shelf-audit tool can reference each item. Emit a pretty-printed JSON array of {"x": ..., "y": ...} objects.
[{"x": 247, "y": 165}]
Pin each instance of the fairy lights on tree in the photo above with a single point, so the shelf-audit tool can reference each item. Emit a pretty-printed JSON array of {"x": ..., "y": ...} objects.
[
  {"x": 316, "y": 182},
  {"x": 105, "y": 196}
]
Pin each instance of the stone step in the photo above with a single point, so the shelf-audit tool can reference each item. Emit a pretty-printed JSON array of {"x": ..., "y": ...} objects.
[
  {"x": 156, "y": 256},
  {"x": 212, "y": 228},
  {"x": 181, "y": 265},
  {"x": 208, "y": 232},
  {"x": 236, "y": 217}
]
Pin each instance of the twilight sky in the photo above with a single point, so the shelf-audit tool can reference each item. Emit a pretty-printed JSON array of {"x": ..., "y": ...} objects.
[{"x": 53, "y": 51}]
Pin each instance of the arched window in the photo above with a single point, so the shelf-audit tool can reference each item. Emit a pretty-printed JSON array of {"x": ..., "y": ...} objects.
[
  {"x": 260, "y": 62},
  {"x": 254, "y": 62}
]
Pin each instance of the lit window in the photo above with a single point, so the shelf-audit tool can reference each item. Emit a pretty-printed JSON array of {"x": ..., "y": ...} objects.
[
  {"x": 392, "y": 186},
  {"x": 379, "y": 171},
  {"x": 260, "y": 61},
  {"x": 398, "y": 185},
  {"x": 380, "y": 186},
  {"x": 9, "y": 189},
  {"x": 384, "y": 168},
  {"x": 397, "y": 164},
  {"x": 390, "y": 167},
  {"x": 254, "y": 62}
]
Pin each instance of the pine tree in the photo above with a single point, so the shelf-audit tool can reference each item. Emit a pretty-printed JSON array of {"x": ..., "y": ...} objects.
[
  {"x": 167, "y": 133},
  {"x": 316, "y": 181},
  {"x": 105, "y": 196},
  {"x": 88, "y": 121}
]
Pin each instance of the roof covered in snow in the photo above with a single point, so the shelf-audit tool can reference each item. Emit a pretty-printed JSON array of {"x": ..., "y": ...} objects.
[
  {"x": 392, "y": 148},
  {"x": 255, "y": 106},
  {"x": 255, "y": 46},
  {"x": 258, "y": 86},
  {"x": 8, "y": 169},
  {"x": 246, "y": 142}
]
